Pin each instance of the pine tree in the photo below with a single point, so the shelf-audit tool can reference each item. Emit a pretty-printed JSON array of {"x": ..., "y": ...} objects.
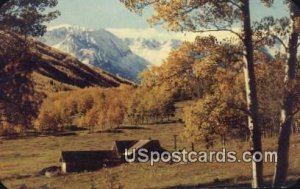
[{"x": 27, "y": 17}]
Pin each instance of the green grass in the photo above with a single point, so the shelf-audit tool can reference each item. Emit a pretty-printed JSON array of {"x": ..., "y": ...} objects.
[{"x": 22, "y": 159}]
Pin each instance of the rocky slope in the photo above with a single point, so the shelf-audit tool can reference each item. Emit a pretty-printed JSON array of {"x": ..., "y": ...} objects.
[{"x": 98, "y": 48}]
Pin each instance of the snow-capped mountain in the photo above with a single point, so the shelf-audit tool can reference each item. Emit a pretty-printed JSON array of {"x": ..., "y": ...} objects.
[
  {"x": 153, "y": 44},
  {"x": 98, "y": 48},
  {"x": 153, "y": 50}
]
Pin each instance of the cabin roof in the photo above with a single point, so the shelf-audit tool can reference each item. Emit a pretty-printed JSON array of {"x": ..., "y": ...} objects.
[
  {"x": 140, "y": 144},
  {"x": 137, "y": 144},
  {"x": 2, "y": 185},
  {"x": 121, "y": 145},
  {"x": 86, "y": 155}
]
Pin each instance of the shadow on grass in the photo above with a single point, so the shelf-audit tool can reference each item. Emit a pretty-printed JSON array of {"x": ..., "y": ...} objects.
[
  {"x": 217, "y": 183},
  {"x": 132, "y": 128},
  {"x": 16, "y": 177},
  {"x": 114, "y": 131},
  {"x": 64, "y": 134},
  {"x": 241, "y": 182},
  {"x": 36, "y": 134},
  {"x": 163, "y": 123}
]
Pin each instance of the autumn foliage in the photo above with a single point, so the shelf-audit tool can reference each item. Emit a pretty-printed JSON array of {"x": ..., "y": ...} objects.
[
  {"x": 207, "y": 72},
  {"x": 210, "y": 73},
  {"x": 103, "y": 108},
  {"x": 91, "y": 107}
]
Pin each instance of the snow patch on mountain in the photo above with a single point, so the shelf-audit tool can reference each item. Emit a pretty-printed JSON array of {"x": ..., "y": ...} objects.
[
  {"x": 97, "y": 48},
  {"x": 152, "y": 45},
  {"x": 155, "y": 45},
  {"x": 153, "y": 50}
]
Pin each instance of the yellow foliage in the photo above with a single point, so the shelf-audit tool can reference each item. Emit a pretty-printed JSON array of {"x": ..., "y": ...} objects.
[{"x": 90, "y": 107}]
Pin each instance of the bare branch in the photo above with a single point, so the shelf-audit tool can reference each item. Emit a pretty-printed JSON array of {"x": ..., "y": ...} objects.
[
  {"x": 220, "y": 29},
  {"x": 235, "y": 4},
  {"x": 281, "y": 41}
]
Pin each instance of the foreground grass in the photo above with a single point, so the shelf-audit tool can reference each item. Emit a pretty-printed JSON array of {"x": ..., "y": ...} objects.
[{"x": 22, "y": 159}]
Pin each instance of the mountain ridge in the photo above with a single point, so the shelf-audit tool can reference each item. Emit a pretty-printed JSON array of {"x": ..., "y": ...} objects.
[{"x": 99, "y": 48}]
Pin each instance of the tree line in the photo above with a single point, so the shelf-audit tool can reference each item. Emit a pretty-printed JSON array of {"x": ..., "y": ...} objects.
[{"x": 103, "y": 109}]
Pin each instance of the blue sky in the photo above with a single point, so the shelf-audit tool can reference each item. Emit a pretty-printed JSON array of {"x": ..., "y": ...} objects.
[
  {"x": 112, "y": 14},
  {"x": 98, "y": 14},
  {"x": 114, "y": 17}
]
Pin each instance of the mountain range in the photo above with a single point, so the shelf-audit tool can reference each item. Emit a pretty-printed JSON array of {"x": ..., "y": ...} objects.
[{"x": 98, "y": 48}]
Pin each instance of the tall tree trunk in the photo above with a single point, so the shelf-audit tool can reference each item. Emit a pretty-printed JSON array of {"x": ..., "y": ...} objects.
[
  {"x": 252, "y": 102},
  {"x": 287, "y": 108}
]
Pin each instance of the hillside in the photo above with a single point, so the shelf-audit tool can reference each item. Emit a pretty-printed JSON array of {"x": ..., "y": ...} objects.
[
  {"x": 30, "y": 70},
  {"x": 99, "y": 48},
  {"x": 65, "y": 69}
]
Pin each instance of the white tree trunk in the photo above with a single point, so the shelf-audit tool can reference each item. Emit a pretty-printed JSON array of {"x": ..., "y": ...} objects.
[
  {"x": 251, "y": 95},
  {"x": 288, "y": 106}
]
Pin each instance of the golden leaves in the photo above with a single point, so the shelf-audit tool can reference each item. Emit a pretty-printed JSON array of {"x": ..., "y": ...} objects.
[{"x": 91, "y": 107}]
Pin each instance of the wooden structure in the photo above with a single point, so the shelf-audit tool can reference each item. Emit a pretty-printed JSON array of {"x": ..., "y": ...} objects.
[
  {"x": 2, "y": 186},
  {"x": 119, "y": 147},
  {"x": 79, "y": 161}
]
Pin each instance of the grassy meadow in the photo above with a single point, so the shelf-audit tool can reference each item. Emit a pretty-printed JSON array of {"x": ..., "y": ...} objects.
[{"x": 22, "y": 159}]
